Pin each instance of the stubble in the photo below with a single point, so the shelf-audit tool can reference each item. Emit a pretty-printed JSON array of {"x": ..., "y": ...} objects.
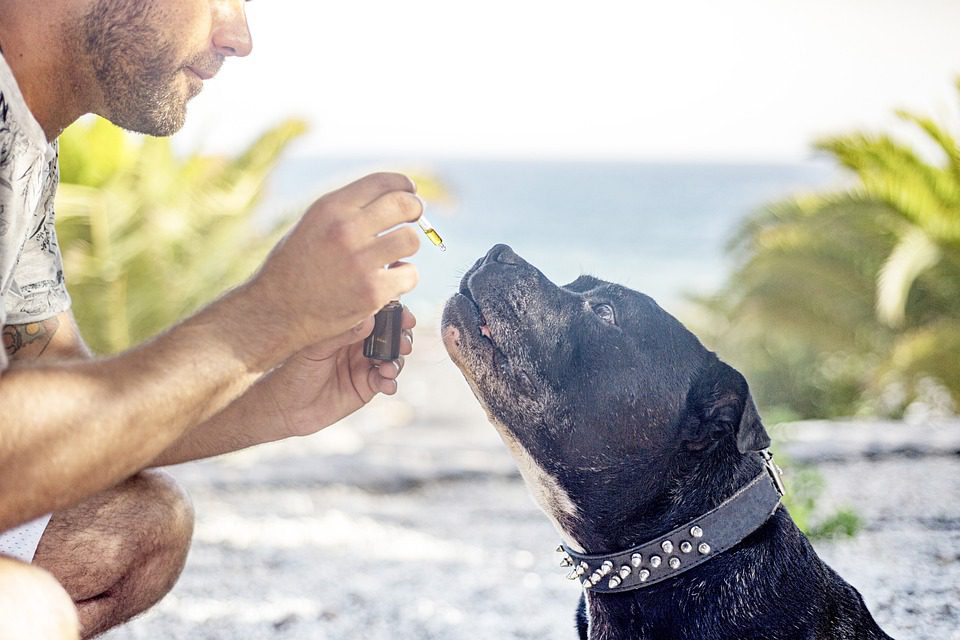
[{"x": 136, "y": 68}]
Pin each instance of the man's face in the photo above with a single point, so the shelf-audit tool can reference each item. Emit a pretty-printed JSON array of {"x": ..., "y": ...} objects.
[{"x": 149, "y": 57}]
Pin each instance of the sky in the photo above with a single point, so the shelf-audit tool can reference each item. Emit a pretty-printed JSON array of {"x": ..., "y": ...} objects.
[{"x": 684, "y": 80}]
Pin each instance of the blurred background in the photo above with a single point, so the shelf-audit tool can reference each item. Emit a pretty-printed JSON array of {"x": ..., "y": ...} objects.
[{"x": 783, "y": 177}]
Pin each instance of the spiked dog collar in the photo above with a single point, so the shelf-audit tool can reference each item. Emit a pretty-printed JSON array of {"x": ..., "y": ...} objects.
[{"x": 685, "y": 547}]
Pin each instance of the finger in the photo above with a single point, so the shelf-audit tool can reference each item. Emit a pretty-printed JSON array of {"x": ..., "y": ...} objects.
[
  {"x": 392, "y": 209},
  {"x": 391, "y": 370},
  {"x": 395, "y": 245},
  {"x": 379, "y": 384},
  {"x": 398, "y": 279},
  {"x": 407, "y": 319},
  {"x": 368, "y": 188},
  {"x": 406, "y": 342}
]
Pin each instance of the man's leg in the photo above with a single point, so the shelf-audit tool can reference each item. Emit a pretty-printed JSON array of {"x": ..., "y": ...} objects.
[
  {"x": 33, "y": 605},
  {"x": 121, "y": 551}
]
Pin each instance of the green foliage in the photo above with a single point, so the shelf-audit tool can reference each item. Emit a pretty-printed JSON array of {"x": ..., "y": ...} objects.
[
  {"x": 147, "y": 236},
  {"x": 804, "y": 488},
  {"x": 848, "y": 302}
]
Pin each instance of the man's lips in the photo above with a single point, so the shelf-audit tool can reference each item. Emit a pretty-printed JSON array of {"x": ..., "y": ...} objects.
[{"x": 200, "y": 73}]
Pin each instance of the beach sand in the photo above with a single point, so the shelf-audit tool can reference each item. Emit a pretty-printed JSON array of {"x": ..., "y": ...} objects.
[{"x": 409, "y": 521}]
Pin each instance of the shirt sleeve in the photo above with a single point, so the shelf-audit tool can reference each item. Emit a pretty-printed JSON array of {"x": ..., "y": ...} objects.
[{"x": 37, "y": 290}]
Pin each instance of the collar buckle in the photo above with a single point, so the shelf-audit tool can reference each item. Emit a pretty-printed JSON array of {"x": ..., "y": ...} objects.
[{"x": 776, "y": 473}]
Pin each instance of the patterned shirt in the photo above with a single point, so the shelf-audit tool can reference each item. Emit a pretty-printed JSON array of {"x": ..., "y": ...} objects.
[{"x": 31, "y": 269}]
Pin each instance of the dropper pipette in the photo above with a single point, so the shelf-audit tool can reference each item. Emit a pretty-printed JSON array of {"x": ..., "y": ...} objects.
[{"x": 431, "y": 233}]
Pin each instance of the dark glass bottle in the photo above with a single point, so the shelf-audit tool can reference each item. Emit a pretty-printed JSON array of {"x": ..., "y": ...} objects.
[{"x": 384, "y": 342}]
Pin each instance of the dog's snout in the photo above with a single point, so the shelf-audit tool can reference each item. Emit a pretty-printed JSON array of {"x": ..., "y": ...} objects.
[{"x": 503, "y": 254}]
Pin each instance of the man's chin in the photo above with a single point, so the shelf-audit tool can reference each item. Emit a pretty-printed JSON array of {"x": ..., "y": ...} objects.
[{"x": 161, "y": 123}]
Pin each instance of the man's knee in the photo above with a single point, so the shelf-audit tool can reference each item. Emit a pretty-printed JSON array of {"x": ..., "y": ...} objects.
[
  {"x": 166, "y": 510},
  {"x": 160, "y": 539},
  {"x": 34, "y": 605},
  {"x": 166, "y": 529},
  {"x": 121, "y": 551},
  {"x": 139, "y": 529}
]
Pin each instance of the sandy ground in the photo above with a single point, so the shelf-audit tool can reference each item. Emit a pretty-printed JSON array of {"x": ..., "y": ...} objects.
[{"x": 409, "y": 521}]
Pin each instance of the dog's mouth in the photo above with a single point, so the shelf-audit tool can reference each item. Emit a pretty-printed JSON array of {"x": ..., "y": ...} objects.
[
  {"x": 467, "y": 333},
  {"x": 483, "y": 325}
]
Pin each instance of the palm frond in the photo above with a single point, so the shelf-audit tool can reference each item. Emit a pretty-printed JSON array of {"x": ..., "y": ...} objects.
[{"x": 914, "y": 254}]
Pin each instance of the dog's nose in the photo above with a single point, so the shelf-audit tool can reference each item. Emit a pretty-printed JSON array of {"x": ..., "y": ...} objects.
[{"x": 503, "y": 254}]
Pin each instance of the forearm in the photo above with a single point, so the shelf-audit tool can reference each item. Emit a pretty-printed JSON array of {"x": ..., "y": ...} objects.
[
  {"x": 68, "y": 430},
  {"x": 313, "y": 389},
  {"x": 253, "y": 418}
]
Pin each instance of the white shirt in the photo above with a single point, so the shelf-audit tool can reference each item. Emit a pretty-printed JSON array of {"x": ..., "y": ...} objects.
[{"x": 31, "y": 269}]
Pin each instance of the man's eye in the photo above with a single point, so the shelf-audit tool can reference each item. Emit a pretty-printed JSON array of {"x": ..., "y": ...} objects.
[{"x": 605, "y": 312}]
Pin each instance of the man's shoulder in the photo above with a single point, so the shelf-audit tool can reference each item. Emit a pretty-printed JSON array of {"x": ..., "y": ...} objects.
[
  {"x": 26, "y": 157},
  {"x": 21, "y": 136}
]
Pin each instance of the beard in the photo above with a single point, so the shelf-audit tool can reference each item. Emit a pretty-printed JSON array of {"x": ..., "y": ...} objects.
[{"x": 137, "y": 68}]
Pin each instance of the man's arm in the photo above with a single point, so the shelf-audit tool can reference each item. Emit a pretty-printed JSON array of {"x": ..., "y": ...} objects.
[
  {"x": 313, "y": 389},
  {"x": 69, "y": 430},
  {"x": 51, "y": 340}
]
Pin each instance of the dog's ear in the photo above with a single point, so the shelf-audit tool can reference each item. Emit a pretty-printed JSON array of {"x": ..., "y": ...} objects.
[
  {"x": 751, "y": 434},
  {"x": 721, "y": 403}
]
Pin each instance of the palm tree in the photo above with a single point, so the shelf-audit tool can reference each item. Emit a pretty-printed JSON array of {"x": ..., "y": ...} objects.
[{"x": 849, "y": 301}]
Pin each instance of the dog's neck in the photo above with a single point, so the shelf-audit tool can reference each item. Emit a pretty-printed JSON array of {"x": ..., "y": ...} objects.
[
  {"x": 771, "y": 575},
  {"x": 614, "y": 615},
  {"x": 663, "y": 610},
  {"x": 693, "y": 488},
  {"x": 662, "y": 607}
]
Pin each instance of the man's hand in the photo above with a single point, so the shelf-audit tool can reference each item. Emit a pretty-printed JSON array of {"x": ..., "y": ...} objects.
[
  {"x": 327, "y": 275},
  {"x": 324, "y": 383},
  {"x": 314, "y": 388}
]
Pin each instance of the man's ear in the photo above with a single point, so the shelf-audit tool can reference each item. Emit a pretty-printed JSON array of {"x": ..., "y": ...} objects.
[{"x": 723, "y": 406}]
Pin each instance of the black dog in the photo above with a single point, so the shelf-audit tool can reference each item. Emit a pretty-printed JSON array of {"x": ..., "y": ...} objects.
[{"x": 648, "y": 454}]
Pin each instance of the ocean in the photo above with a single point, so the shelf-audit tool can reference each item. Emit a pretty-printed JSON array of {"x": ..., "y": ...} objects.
[{"x": 658, "y": 228}]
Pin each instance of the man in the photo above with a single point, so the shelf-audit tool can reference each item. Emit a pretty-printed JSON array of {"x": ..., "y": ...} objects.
[{"x": 276, "y": 357}]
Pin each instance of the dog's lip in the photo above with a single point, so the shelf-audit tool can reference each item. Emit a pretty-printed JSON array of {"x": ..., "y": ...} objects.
[{"x": 468, "y": 294}]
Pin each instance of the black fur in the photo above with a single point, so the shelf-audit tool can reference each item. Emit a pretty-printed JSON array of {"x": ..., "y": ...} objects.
[{"x": 641, "y": 428}]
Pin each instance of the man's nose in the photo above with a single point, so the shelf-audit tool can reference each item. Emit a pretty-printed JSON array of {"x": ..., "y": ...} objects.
[{"x": 231, "y": 35}]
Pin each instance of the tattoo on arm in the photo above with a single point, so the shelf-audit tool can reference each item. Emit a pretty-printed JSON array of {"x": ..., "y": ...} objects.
[{"x": 27, "y": 341}]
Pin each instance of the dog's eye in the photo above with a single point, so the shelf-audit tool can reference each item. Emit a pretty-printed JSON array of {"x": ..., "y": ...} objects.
[{"x": 605, "y": 312}]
